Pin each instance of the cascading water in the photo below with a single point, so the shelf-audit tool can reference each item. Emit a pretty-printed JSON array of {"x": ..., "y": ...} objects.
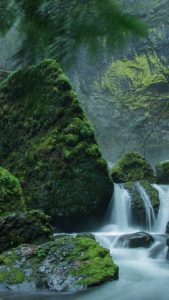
[
  {"x": 163, "y": 215},
  {"x": 150, "y": 215},
  {"x": 121, "y": 214},
  {"x": 143, "y": 272}
]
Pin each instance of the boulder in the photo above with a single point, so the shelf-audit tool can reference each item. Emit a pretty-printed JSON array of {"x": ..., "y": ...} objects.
[
  {"x": 48, "y": 143},
  {"x": 162, "y": 171},
  {"x": 31, "y": 227},
  {"x": 11, "y": 195},
  {"x": 132, "y": 167},
  {"x": 137, "y": 204},
  {"x": 63, "y": 265},
  {"x": 136, "y": 240}
]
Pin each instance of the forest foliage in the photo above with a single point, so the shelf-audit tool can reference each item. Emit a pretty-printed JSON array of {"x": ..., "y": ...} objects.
[{"x": 56, "y": 29}]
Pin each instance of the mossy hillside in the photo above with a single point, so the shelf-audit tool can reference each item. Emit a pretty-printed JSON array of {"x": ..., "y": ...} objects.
[
  {"x": 49, "y": 144},
  {"x": 132, "y": 167},
  {"x": 11, "y": 195},
  {"x": 74, "y": 262},
  {"x": 28, "y": 227},
  {"x": 137, "y": 205},
  {"x": 162, "y": 171}
]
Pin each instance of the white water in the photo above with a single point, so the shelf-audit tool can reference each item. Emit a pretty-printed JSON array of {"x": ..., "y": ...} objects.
[
  {"x": 144, "y": 273},
  {"x": 163, "y": 215},
  {"x": 121, "y": 212},
  {"x": 150, "y": 215}
]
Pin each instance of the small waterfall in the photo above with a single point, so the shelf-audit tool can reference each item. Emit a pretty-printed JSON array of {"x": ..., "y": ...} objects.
[
  {"x": 150, "y": 215},
  {"x": 121, "y": 214},
  {"x": 163, "y": 215}
]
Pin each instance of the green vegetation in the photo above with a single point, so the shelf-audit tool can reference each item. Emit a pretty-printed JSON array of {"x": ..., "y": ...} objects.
[
  {"x": 28, "y": 227},
  {"x": 96, "y": 265},
  {"x": 162, "y": 170},
  {"x": 137, "y": 205},
  {"x": 48, "y": 143},
  {"x": 62, "y": 26},
  {"x": 11, "y": 195},
  {"x": 85, "y": 262},
  {"x": 132, "y": 167}
]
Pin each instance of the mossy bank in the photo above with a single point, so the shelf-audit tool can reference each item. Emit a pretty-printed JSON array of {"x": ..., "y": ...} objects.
[{"x": 47, "y": 142}]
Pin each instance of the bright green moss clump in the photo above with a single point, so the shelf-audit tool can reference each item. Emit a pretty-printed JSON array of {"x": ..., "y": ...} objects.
[
  {"x": 96, "y": 263},
  {"x": 132, "y": 167},
  {"x": 162, "y": 170},
  {"x": 11, "y": 196},
  {"x": 66, "y": 262},
  {"x": 48, "y": 143}
]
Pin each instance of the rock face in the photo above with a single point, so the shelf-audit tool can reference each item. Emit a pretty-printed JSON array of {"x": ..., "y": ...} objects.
[
  {"x": 137, "y": 204},
  {"x": 162, "y": 170},
  {"x": 131, "y": 88},
  {"x": 20, "y": 228},
  {"x": 11, "y": 196},
  {"x": 136, "y": 240},
  {"x": 132, "y": 167},
  {"x": 47, "y": 142},
  {"x": 66, "y": 264}
]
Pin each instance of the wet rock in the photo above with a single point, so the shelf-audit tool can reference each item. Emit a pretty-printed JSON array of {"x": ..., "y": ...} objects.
[
  {"x": 162, "y": 171},
  {"x": 136, "y": 240},
  {"x": 167, "y": 228},
  {"x": 11, "y": 195},
  {"x": 86, "y": 235},
  {"x": 47, "y": 141},
  {"x": 132, "y": 167},
  {"x": 65, "y": 264},
  {"x": 19, "y": 228},
  {"x": 137, "y": 204}
]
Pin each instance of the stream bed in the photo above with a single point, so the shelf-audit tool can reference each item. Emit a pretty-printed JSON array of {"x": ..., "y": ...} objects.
[{"x": 144, "y": 272}]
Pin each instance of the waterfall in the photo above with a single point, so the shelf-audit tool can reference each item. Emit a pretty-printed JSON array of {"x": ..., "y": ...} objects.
[
  {"x": 150, "y": 215},
  {"x": 121, "y": 214},
  {"x": 163, "y": 215}
]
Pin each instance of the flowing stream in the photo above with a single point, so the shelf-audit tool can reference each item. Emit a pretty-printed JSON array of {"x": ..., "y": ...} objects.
[{"x": 144, "y": 272}]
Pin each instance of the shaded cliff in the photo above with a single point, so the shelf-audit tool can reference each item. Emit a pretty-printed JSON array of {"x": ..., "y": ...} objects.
[{"x": 128, "y": 91}]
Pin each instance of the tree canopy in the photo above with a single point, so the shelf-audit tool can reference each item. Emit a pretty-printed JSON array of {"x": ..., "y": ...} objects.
[{"x": 57, "y": 28}]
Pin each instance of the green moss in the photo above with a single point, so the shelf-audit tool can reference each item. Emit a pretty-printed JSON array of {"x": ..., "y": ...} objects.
[
  {"x": 162, "y": 171},
  {"x": 48, "y": 143},
  {"x": 137, "y": 204},
  {"x": 96, "y": 263},
  {"x": 11, "y": 195},
  {"x": 19, "y": 228},
  {"x": 132, "y": 167}
]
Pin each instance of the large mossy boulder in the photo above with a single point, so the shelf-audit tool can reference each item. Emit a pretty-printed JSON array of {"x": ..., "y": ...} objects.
[
  {"x": 162, "y": 171},
  {"x": 66, "y": 264},
  {"x": 136, "y": 190},
  {"x": 31, "y": 227},
  {"x": 47, "y": 142},
  {"x": 11, "y": 196},
  {"x": 132, "y": 167}
]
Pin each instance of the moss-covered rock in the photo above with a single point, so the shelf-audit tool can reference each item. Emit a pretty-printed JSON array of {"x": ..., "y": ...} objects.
[
  {"x": 46, "y": 140},
  {"x": 11, "y": 196},
  {"x": 162, "y": 171},
  {"x": 65, "y": 264},
  {"x": 137, "y": 204},
  {"x": 19, "y": 228},
  {"x": 132, "y": 167}
]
